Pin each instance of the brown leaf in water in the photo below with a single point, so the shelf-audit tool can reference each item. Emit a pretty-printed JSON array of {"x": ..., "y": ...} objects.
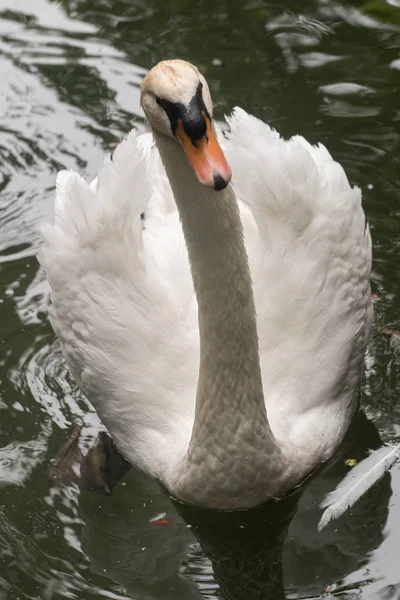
[{"x": 391, "y": 332}]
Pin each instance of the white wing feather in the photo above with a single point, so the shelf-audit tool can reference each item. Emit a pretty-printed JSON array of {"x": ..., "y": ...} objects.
[
  {"x": 357, "y": 482},
  {"x": 310, "y": 256},
  {"x": 123, "y": 302}
]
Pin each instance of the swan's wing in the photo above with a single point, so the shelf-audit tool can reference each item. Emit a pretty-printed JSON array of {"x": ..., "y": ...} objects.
[
  {"x": 123, "y": 302},
  {"x": 310, "y": 257}
]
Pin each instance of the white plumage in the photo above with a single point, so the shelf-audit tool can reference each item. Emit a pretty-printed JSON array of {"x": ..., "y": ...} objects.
[
  {"x": 125, "y": 310},
  {"x": 310, "y": 257},
  {"x": 357, "y": 481}
]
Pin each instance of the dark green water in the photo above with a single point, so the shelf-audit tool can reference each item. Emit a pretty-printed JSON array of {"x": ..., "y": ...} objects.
[{"x": 69, "y": 87}]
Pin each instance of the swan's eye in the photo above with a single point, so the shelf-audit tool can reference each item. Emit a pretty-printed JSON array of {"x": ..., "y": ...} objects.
[{"x": 165, "y": 104}]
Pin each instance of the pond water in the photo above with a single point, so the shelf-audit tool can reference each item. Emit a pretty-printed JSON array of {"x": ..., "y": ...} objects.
[{"x": 70, "y": 72}]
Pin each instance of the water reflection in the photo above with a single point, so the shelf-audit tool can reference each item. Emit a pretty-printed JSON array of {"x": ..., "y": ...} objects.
[
  {"x": 19, "y": 459},
  {"x": 245, "y": 549}
]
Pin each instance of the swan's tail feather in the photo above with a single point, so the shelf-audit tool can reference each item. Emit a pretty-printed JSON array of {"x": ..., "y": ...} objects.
[{"x": 357, "y": 482}]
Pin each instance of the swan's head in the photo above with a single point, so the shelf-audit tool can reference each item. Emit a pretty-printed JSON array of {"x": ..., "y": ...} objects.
[{"x": 176, "y": 100}]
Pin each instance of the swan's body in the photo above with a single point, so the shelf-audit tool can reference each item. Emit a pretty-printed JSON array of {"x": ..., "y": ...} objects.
[{"x": 227, "y": 400}]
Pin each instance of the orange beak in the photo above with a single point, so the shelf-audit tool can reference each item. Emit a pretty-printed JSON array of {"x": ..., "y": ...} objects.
[{"x": 206, "y": 157}]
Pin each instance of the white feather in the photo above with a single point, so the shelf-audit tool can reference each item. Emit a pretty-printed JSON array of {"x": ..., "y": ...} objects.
[
  {"x": 357, "y": 482},
  {"x": 123, "y": 302},
  {"x": 310, "y": 256}
]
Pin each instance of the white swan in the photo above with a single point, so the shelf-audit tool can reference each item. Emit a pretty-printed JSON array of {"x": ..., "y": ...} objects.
[{"x": 220, "y": 339}]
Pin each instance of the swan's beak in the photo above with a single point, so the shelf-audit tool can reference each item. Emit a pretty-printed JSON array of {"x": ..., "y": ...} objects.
[{"x": 205, "y": 156}]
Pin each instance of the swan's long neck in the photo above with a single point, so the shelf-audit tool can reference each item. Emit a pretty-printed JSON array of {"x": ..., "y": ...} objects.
[{"x": 230, "y": 410}]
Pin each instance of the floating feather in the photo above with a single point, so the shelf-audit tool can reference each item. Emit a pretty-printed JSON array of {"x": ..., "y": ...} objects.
[{"x": 358, "y": 481}]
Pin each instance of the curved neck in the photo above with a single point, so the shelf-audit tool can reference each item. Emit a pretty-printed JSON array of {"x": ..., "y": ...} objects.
[{"x": 230, "y": 384}]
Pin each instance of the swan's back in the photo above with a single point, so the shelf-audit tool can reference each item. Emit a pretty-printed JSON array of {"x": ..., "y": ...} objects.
[{"x": 310, "y": 255}]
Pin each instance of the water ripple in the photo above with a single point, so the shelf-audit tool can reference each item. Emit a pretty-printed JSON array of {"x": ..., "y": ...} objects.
[{"x": 39, "y": 132}]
